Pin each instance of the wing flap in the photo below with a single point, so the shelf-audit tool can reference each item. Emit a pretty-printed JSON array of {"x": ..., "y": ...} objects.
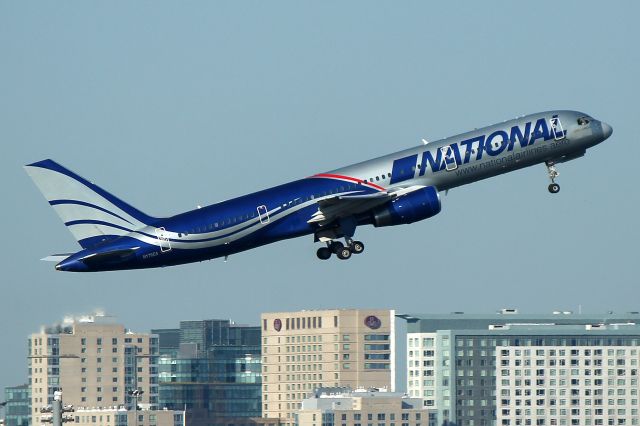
[{"x": 340, "y": 206}]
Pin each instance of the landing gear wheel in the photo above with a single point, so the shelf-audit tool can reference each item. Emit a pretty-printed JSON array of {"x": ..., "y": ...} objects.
[
  {"x": 554, "y": 188},
  {"x": 344, "y": 253},
  {"x": 323, "y": 253},
  {"x": 357, "y": 247},
  {"x": 336, "y": 246}
]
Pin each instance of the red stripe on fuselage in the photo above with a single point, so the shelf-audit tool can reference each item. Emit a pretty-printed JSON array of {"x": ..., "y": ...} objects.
[{"x": 332, "y": 176}]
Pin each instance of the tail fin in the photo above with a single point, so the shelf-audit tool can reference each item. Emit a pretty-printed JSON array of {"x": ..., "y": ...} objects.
[{"x": 91, "y": 213}]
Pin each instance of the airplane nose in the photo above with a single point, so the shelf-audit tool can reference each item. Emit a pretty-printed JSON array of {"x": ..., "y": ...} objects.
[{"x": 606, "y": 129}]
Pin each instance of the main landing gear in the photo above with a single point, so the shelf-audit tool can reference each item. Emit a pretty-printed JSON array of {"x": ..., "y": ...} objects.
[
  {"x": 340, "y": 250},
  {"x": 554, "y": 188}
]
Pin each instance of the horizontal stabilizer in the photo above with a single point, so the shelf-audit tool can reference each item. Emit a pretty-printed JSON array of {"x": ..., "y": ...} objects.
[
  {"x": 56, "y": 257},
  {"x": 113, "y": 257}
]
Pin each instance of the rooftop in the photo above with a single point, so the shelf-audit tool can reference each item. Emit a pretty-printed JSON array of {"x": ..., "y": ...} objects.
[{"x": 510, "y": 318}]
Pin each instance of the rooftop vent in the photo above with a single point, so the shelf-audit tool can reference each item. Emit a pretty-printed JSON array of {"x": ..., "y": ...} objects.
[{"x": 498, "y": 327}]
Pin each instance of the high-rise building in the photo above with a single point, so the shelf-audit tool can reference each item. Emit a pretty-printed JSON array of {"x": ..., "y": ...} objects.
[
  {"x": 169, "y": 341},
  {"x": 306, "y": 350},
  {"x": 456, "y": 364},
  {"x": 569, "y": 385},
  {"x": 98, "y": 364},
  {"x": 344, "y": 407},
  {"x": 16, "y": 410},
  {"x": 212, "y": 370}
]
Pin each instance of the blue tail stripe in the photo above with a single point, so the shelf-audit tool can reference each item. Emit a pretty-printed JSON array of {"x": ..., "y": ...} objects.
[
  {"x": 82, "y": 203},
  {"x": 52, "y": 165}
]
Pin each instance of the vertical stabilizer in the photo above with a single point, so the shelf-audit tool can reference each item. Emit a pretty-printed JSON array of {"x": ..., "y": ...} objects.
[{"x": 92, "y": 214}]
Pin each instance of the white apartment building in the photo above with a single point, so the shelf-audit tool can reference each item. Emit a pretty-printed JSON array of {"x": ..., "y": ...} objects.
[
  {"x": 567, "y": 385},
  {"x": 454, "y": 362}
]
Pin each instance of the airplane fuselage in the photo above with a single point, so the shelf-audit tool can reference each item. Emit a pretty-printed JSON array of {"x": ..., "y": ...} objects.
[{"x": 288, "y": 210}]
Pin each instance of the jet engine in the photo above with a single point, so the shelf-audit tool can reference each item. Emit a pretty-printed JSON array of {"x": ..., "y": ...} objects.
[{"x": 420, "y": 204}]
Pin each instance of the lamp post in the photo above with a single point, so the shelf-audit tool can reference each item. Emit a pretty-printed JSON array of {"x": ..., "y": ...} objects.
[
  {"x": 135, "y": 394},
  {"x": 57, "y": 410}
]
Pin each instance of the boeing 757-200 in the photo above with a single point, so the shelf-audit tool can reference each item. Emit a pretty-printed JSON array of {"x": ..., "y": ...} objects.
[{"x": 395, "y": 189}]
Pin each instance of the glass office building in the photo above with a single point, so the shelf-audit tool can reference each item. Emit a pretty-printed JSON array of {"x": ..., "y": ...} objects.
[
  {"x": 17, "y": 409},
  {"x": 213, "y": 370}
]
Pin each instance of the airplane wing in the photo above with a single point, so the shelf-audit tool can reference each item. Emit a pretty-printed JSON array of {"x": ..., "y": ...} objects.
[{"x": 334, "y": 208}]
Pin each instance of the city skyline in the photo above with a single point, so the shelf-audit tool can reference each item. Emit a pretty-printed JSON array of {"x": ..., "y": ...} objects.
[
  {"x": 570, "y": 350},
  {"x": 172, "y": 106}
]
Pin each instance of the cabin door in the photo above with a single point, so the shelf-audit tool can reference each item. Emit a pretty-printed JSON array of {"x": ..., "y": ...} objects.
[
  {"x": 556, "y": 128},
  {"x": 263, "y": 214},
  {"x": 163, "y": 240},
  {"x": 449, "y": 158}
]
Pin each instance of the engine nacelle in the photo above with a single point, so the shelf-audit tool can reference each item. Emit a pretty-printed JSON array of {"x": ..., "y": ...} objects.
[{"x": 416, "y": 205}]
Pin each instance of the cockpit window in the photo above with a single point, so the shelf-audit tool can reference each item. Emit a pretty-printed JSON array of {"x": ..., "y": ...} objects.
[{"x": 583, "y": 120}]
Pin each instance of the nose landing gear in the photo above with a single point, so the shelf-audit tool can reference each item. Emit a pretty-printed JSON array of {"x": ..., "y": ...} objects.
[
  {"x": 554, "y": 188},
  {"x": 341, "y": 251}
]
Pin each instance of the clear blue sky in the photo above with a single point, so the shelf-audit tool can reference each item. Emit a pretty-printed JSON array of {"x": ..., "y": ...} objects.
[{"x": 174, "y": 104}]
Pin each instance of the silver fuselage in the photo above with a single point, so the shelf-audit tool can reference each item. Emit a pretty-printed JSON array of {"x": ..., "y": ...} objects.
[{"x": 474, "y": 162}]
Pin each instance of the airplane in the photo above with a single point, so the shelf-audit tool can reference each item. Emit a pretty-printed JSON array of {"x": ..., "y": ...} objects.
[{"x": 395, "y": 189}]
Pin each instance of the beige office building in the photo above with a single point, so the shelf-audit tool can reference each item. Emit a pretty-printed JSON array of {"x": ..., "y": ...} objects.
[
  {"x": 363, "y": 407},
  {"x": 95, "y": 362},
  {"x": 306, "y": 350},
  {"x": 122, "y": 417}
]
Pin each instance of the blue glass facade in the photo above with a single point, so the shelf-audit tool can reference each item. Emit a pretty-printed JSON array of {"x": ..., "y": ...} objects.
[
  {"x": 215, "y": 370},
  {"x": 17, "y": 410}
]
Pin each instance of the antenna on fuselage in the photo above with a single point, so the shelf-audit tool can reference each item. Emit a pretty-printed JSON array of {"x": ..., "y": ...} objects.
[{"x": 424, "y": 141}]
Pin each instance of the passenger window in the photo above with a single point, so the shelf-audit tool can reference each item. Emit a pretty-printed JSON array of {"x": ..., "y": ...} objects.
[
  {"x": 389, "y": 174},
  {"x": 215, "y": 224},
  {"x": 378, "y": 178}
]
